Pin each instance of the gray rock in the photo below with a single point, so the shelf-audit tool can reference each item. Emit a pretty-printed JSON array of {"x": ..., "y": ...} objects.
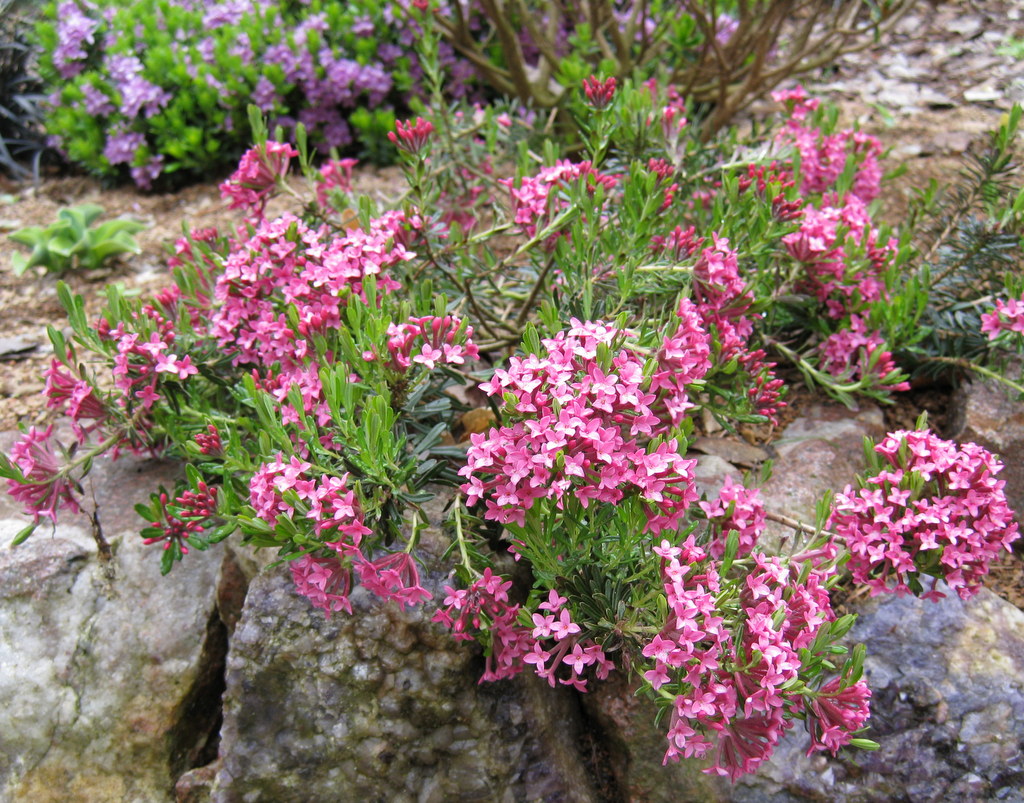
[
  {"x": 989, "y": 415},
  {"x": 108, "y": 672},
  {"x": 382, "y": 705},
  {"x": 818, "y": 452},
  {"x": 635, "y": 747},
  {"x": 947, "y": 710}
]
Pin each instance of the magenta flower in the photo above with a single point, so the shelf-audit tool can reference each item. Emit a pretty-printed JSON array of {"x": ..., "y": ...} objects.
[
  {"x": 936, "y": 509},
  {"x": 411, "y": 136},
  {"x": 394, "y": 577},
  {"x": 44, "y": 489}
]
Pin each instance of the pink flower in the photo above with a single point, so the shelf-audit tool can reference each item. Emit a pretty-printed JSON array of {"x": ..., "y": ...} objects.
[
  {"x": 850, "y": 354},
  {"x": 598, "y": 92},
  {"x": 1008, "y": 316},
  {"x": 259, "y": 170},
  {"x": 336, "y": 174},
  {"x": 44, "y": 489},
  {"x": 737, "y": 509},
  {"x": 324, "y": 582},
  {"x": 836, "y": 713},
  {"x": 394, "y": 577},
  {"x": 431, "y": 340},
  {"x": 574, "y": 428},
  {"x": 186, "y": 516},
  {"x": 411, "y": 136}
]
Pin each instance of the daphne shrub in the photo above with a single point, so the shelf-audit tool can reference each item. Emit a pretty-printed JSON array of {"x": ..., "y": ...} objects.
[{"x": 311, "y": 371}]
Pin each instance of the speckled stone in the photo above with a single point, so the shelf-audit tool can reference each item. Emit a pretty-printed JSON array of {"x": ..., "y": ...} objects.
[
  {"x": 989, "y": 415},
  {"x": 382, "y": 705},
  {"x": 947, "y": 710},
  {"x": 820, "y": 451},
  {"x": 100, "y": 659}
]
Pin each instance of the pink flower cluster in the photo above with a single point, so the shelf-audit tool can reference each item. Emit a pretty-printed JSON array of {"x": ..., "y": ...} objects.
[
  {"x": 827, "y": 243},
  {"x": 209, "y": 441},
  {"x": 258, "y": 172},
  {"x": 411, "y": 136},
  {"x": 736, "y": 509},
  {"x": 184, "y": 517},
  {"x": 850, "y": 354},
  {"x": 45, "y": 489},
  {"x": 338, "y": 520},
  {"x": 823, "y": 157},
  {"x": 760, "y": 177},
  {"x": 1008, "y": 316},
  {"x": 733, "y": 693},
  {"x": 431, "y": 340},
  {"x": 664, "y": 170},
  {"x": 533, "y": 205},
  {"x": 936, "y": 510},
  {"x": 326, "y": 500},
  {"x": 485, "y": 605},
  {"x": 336, "y": 174},
  {"x": 599, "y": 93},
  {"x": 75, "y": 397},
  {"x": 286, "y": 262},
  {"x": 723, "y": 301},
  {"x": 140, "y": 362},
  {"x": 579, "y": 425}
]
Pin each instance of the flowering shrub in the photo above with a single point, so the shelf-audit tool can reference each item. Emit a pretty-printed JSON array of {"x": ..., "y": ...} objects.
[
  {"x": 154, "y": 89},
  {"x": 312, "y": 371}
]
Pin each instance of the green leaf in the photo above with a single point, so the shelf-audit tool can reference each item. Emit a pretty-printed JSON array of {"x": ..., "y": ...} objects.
[{"x": 23, "y": 535}]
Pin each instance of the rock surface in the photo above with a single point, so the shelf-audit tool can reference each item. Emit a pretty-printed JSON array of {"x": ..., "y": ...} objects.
[
  {"x": 382, "y": 705},
  {"x": 820, "y": 451},
  {"x": 109, "y": 674},
  {"x": 947, "y": 710},
  {"x": 991, "y": 417}
]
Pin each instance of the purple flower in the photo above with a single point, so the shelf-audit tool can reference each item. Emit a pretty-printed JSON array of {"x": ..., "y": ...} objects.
[
  {"x": 264, "y": 95},
  {"x": 122, "y": 146},
  {"x": 362, "y": 26},
  {"x": 97, "y": 103},
  {"x": 74, "y": 29},
  {"x": 138, "y": 94},
  {"x": 144, "y": 175}
]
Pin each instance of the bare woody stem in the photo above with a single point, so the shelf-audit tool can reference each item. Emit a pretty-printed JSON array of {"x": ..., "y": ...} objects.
[{"x": 796, "y": 524}]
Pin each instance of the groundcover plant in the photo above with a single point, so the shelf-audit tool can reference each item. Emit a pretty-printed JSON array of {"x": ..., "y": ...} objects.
[{"x": 590, "y": 301}]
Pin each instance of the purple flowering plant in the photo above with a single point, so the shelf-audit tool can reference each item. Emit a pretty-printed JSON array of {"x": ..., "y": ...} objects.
[
  {"x": 154, "y": 89},
  {"x": 592, "y": 302}
]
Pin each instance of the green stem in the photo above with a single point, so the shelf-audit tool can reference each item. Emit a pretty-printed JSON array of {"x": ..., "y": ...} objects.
[
  {"x": 460, "y": 539},
  {"x": 967, "y": 365}
]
